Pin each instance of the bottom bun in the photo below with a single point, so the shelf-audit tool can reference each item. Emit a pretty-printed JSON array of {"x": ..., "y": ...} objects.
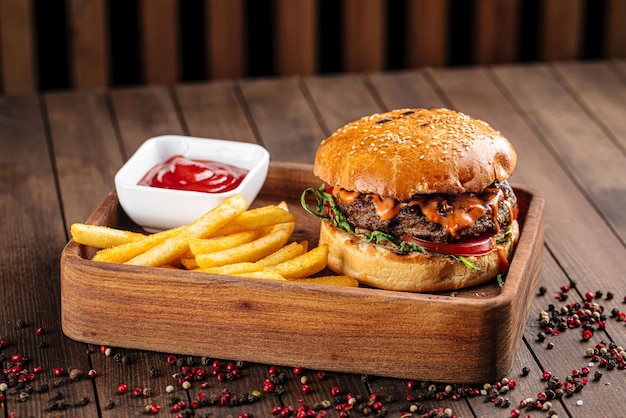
[{"x": 376, "y": 266}]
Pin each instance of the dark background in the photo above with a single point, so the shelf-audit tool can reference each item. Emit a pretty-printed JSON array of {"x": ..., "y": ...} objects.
[{"x": 125, "y": 60}]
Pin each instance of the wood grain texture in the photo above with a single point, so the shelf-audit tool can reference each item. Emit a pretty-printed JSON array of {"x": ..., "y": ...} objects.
[
  {"x": 86, "y": 150},
  {"x": 615, "y": 31},
  {"x": 215, "y": 110},
  {"x": 31, "y": 237},
  {"x": 427, "y": 33},
  {"x": 364, "y": 35},
  {"x": 143, "y": 113},
  {"x": 283, "y": 118},
  {"x": 160, "y": 41},
  {"x": 296, "y": 37},
  {"x": 496, "y": 34},
  {"x": 226, "y": 38},
  {"x": 18, "y": 62},
  {"x": 573, "y": 137},
  {"x": 560, "y": 36},
  {"x": 88, "y": 43}
]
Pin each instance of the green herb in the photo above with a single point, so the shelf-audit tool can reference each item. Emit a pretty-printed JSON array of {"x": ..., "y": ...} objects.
[
  {"x": 500, "y": 278},
  {"x": 327, "y": 210},
  {"x": 505, "y": 237},
  {"x": 466, "y": 261}
]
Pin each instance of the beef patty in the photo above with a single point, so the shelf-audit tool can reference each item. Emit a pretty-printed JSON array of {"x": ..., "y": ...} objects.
[{"x": 437, "y": 217}]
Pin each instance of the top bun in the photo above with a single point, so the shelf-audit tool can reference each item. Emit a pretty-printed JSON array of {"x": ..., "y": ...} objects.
[{"x": 415, "y": 151}]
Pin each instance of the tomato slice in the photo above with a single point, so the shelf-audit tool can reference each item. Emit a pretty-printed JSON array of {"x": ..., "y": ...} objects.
[{"x": 473, "y": 246}]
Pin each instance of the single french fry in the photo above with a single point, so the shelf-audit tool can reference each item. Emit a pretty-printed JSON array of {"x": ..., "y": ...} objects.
[
  {"x": 251, "y": 251},
  {"x": 304, "y": 265},
  {"x": 100, "y": 236},
  {"x": 263, "y": 274},
  {"x": 257, "y": 218},
  {"x": 334, "y": 280},
  {"x": 123, "y": 253},
  {"x": 232, "y": 269},
  {"x": 287, "y": 252},
  {"x": 175, "y": 246},
  {"x": 189, "y": 263},
  {"x": 209, "y": 245}
]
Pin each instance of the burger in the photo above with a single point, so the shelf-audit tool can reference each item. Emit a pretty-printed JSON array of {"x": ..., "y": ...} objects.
[{"x": 416, "y": 200}]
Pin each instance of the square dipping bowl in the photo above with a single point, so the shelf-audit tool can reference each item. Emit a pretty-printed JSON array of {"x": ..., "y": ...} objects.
[{"x": 155, "y": 209}]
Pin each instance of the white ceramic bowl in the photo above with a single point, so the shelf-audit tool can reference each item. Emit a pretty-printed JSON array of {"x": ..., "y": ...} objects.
[{"x": 155, "y": 209}]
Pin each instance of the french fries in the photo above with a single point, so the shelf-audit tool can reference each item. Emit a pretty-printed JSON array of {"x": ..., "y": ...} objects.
[
  {"x": 103, "y": 236},
  {"x": 229, "y": 239},
  {"x": 173, "y": 247},
  {"x": 252, "y": 251},
  {"x": 303, "y": 265}
]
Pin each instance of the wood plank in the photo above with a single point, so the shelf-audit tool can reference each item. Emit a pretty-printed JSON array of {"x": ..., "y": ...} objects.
[
  {"x": 214, "y": 110},
  {"x": 18, "y": 63},
  {"x": 601, "y": 92},
  {"x": 153, "y": 112},
  {"x": 88, "y": 43},
  {"x": 340, "y": 99},
  {"x": 160, "y": 40},
  {"x": 31, "y": 238},
  {"x": 615, "y": 30},
  {"x": 86, "y": 150},
  {"x": 406, "y": 89},
  {"x": 560, "y": 33},
  {"x": 296, "y": 37},
  {"x": 495, "y": 34},
  {"x": 285, "y": 123},
  {"x": 620, "y": 65},
  {"x": 226, "y": 38},
  {"x": 364, "y": 36},
  {"x": 427, "y": 33},
  {"x": 591, "y": 158}
]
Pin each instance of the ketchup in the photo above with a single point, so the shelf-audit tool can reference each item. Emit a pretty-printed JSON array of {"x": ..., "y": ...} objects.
[{"x": 182, "y": 173}]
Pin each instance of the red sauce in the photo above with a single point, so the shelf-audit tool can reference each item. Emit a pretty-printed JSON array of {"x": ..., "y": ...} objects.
[{"x": 199, "y": 176}]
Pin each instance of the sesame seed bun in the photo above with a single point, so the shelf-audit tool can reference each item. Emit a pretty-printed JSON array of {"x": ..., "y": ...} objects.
[
  {"x": 374, "y": 265},
  {"x": 408, "y": 194},
  {"x": 409, "y": 151}
]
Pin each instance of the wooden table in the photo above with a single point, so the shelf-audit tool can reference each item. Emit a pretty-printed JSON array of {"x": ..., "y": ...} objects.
[{"x": 59, "y": 152}]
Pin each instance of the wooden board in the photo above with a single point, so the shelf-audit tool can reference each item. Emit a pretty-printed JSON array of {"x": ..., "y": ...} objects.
[{"x": 312, "y": 326}]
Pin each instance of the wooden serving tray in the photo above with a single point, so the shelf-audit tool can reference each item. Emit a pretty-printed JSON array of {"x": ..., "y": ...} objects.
[{"x": 469, "y": 336}]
